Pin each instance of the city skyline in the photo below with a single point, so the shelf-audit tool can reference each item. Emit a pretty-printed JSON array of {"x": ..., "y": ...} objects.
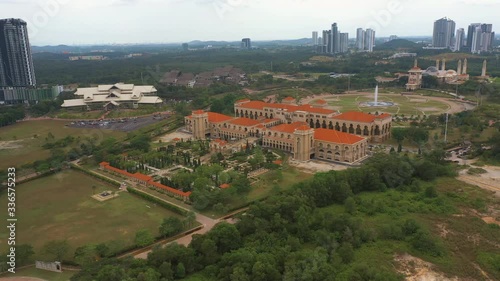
[{"x": 67, "y": 22}]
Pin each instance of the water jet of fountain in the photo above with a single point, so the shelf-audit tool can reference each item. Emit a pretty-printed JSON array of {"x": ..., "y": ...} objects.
[{"x": 376, "y": 96}]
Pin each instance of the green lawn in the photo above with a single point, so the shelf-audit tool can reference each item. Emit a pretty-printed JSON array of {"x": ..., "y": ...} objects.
[
  {"x": 42, "y": 274},
  {"x": 28, "y": 137},
  {"x": 407, "y": 105},
  {"x": 60, "y": 207}
]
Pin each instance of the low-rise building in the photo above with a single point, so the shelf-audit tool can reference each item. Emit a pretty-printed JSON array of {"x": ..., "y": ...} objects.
[{"x": 117, "y": 95}]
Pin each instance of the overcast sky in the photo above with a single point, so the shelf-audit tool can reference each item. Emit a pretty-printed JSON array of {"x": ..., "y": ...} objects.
[{"x": 168, "y": 21}]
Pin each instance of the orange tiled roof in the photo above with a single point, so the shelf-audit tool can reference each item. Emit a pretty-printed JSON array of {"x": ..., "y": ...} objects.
[
  {"x": 142, "y": 177},
  {"x": 336, "y": 136},
  {"x": 224, "y": 186},
  {"x": 278, "y": 162},
  {"x": 360, "y": 116},
  {"x": 289, "y": 99},
  {"x": 198, "y": 112},
  {"x": 214, "y": 117},
  {"x": 260, "y": 105},
  {"x": 304, "y": 128},
  {"x": 244, "y": 122},
  {"x": 288, "y": 128},
  {"x": 243, "y": 100},
  {"x": 220, "y": 142},
  {"x": 168, "y": 188},
  {"x": 321, "y": 102}
]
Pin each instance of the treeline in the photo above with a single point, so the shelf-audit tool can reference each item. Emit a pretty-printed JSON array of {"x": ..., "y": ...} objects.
[
  {"x": 295, "y": 236},
  {"x": 9, "y": 115}
]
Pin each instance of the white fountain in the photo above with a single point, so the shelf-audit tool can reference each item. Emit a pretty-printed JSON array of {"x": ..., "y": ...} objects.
[{"x": 376, "y": 103}]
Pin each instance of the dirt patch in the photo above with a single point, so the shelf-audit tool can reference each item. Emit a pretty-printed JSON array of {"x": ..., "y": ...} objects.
[
  {"x": 490, "y": 220},
  {"x": 176, "y": 135},
  {"x": 418, "y": 100},
  {"x": 415, "y": 269},
  {"x": 313, "y": 166},
  {"x": 427, "y": 109},
  {"x": 443, "y": 231},
  {"x": 11, "y": 144},
  {"x": 488, "y": 181}
]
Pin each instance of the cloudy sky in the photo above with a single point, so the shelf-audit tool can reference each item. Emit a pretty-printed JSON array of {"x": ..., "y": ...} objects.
[{"x": 168, "y": 21}]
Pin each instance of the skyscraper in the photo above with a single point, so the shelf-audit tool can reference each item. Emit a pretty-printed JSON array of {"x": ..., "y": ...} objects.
[
  {"x": 16, "y": 62},
  {"x": 335, "y": 39},
  {"x": 344, "y": 42},
  {"x": 459, "y": 40},
  {"x": 315, "y": 38},
  {"x": 369, "y": 40},
  {"x": 325, "y": 43},
  {"x": 246, "y": 43},
  {"x": 360, "y": 39},
  {"x": 480, "y": 38},
  {"x": 444, "y": 32}
]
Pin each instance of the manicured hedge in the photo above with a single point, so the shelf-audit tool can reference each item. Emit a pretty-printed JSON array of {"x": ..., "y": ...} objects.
[
  {"x": 90, "y": 173},
  {"x": 160, "y": 202}
]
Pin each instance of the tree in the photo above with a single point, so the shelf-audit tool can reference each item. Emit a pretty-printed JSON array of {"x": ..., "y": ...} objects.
[
  {"x": 346, "y": 252},
  {"x": 241, "y": 184},
  {"x": 350, "y": 205},
  {"x": 56, "y": 249},
  {"x": 24, "y": 252},
  {"x": 190, "y": 218},
  {"x": 111, "y": 273},
  {"x": 180, "y": 271},
  {"x": 143, "y": 238},
  {"x": 85, "y": 255},
  {"x": 102, "y": 250},
  {"x": 166, "y": 271},
  {"x": 170, "y": 226}
]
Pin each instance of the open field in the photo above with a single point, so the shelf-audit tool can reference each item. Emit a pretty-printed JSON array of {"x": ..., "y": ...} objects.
[
  {"x": 407, "y": 105},
  {"x": 60, "y": 207},
  {"x": 38, "y": 273},
  {"x": 29, "y": 136}
]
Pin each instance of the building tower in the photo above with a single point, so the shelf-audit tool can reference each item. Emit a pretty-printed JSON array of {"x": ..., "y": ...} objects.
[
  {"x": 246, "y": 43},
  {"x": 304, "y": 143},
  {"x": 437, "y": 64},
  {"x": 459, "y": 68},
  {"x": 315, "y": 38},
  {"x": 444, "y": 65},
  {"x": 459, "y": 40},
  {"x": 16, "y": 62},
  {"x": 483, "y": 72},
  {"x": 360, "y": 39},
  {"x": 200, "y": 124},
  {"x": 415, "y": 78},
  {"x": 369, "y": 40},
  {"x": 444, "y": 32},
  {"x": 335, "y": 39},
  {"x": 464, "y": 71}
]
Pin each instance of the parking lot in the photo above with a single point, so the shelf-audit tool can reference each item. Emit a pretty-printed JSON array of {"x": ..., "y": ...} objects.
[{"x": 119, "y": 124}]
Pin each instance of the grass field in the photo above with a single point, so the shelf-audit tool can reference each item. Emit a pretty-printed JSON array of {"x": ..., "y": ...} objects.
[
  {"x": 42, "y": 274},
  {"x": 407, "y": 105},
  {"x": 60, "y": 207},
  {"x": 21, "y": 143}
]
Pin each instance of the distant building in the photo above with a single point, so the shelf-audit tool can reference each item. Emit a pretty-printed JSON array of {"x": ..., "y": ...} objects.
[
  {"x": 459, "y": 40},
  {"x": 480, "y": 38},
  {"x": 334, "y": 39},
  {"x": 246, "y": 43},
  {"x": 344, "y": 43},
  {"x": 360, "y": 39},
  {"x": 74, "y": 58},
  {"x": 444, "y": 32},
  {"x": 315, "y": 38},
  {"x": 110, "y": 96},
  {"x": 369, "y": 40},
  {"x": 415, "y": 78},
  {"x": 16, "y": 62}
]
